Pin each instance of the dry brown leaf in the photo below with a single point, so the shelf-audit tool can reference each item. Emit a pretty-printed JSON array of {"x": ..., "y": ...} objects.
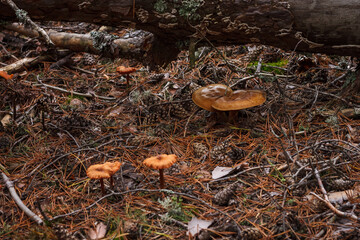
[
  {"x": 98, "y": 232},
  {"x": 116, "y": 112},
  {"x": 196, "y": 225},
  {"x": 6, "y": 120}
]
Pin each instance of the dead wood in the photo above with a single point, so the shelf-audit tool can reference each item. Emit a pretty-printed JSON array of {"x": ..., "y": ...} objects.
[{"x": 329, "y": 27}]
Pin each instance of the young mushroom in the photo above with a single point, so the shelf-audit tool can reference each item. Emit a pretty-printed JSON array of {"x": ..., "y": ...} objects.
[
  {"x": 122, "y": 70},
  {"x": 101, "y": 171},
  {"x": 160, "y": 162}
]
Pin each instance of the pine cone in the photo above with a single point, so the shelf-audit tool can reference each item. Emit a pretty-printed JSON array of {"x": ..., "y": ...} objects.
[
  {"x": 162, "y": 111},
  {"x": 338, "y": 184},
  {"x": 4, "y": 143},
  {"x": 151, "y": 119},
  {"x": 132, "y": 228},
  {"x": 236, "y": 153},
  {"x": 148, "y": 98},
  {"x": 62, "y": 233},
  {"x": 142, "y": 140},
  {"x": 73, "y": 121},
  {"x": 155, "y": 78},
  {"x": 220, "y": 148},
  {"x": 89, "y": 59},
  {"x": 178, "y": 111},
  {"x": 223, "y": 197},
  {"x": 254, "y": 53},
  {"x": 218, "y": 153},
  {"x": 250, "y": 234},
  {"x": 200, "y": 150}
]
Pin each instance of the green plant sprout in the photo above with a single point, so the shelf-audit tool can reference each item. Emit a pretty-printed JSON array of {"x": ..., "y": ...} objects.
[
  {"x": 173, "y": 205},
  {"x": 160, "y": 6},
  {"x": 188, "y": 9},
  {"x": 269, "y": 67}
]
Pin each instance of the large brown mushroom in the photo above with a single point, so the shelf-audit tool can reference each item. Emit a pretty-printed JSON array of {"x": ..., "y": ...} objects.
[
  {"x": 204, "y": 97},
  {"x": 240, "y": 99},
  {"x": 160, "y": 162},
  {"x": 220, "y": 98}
]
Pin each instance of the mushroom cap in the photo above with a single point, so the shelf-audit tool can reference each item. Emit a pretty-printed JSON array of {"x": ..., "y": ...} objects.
[
  {"x": 125, "y": 70},
  {"x": 240, "y": 99},
  {"x": 160, "y": 161},
  {"x": 98, "y": 171},
  {"x": 204, "y": 97},
  {"x": 113, "y": 167}
]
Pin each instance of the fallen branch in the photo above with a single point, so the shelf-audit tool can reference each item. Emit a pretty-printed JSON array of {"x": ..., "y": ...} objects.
[
  {"x": 88, "y": 95},
  {"x": 327, "y": 201},
  {"x": 23, "y": 63},
  {"x": 23, "y": 17},
  {"x": 134, "y": 44},
  {"x": 10, "y": 185}
]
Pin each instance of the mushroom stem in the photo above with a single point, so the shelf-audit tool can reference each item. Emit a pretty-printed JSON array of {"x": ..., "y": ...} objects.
[
  {"x": 111, "y": 182},
  {"x": 233, "y": 116},
  {"x": 221, "y": 116},
  {"x": 102, "y": 186},
  {"x": 127, "y": 80},
  {"x": 14, "y": 109},
  {"x": 161, "y": 171}
]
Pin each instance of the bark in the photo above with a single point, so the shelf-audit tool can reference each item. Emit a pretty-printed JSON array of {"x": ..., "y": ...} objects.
[
  {"x": 133, "y": 45},
  {"x": 324, "y": 26}
]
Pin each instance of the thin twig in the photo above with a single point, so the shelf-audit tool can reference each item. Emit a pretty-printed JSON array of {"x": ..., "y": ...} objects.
[
  {"x": 188, "y": 121},
  {"x": 326, "y": 200},
  {"x": 324, "y": 93},
  {"x": 88, "y": 95},
  {"x": 10, "y": 185}
]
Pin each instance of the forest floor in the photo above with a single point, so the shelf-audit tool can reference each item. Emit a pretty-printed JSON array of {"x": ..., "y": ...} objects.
[{"x": 261, "y": 174}]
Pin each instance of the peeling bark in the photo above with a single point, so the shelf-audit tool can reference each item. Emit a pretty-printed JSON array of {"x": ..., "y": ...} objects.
[{"x": 325, "y": 26}]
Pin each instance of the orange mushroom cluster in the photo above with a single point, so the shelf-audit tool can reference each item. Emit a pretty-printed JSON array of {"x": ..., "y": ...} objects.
[
  {"x": 222, "y": 98},
  {"x": 160, "y": 162},
  {"x": 101, "y": 171}
]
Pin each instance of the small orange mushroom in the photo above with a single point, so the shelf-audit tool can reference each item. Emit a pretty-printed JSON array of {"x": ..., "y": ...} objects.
[
  {"x": 101, "y": 171},
  {"x": 113, "y": 168},
  {"x": 126, "y": 71},
  {"x": 160, "y": 162},
  {"x": 6, "y": 75},
  {"x": 98, "y": 171}
]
